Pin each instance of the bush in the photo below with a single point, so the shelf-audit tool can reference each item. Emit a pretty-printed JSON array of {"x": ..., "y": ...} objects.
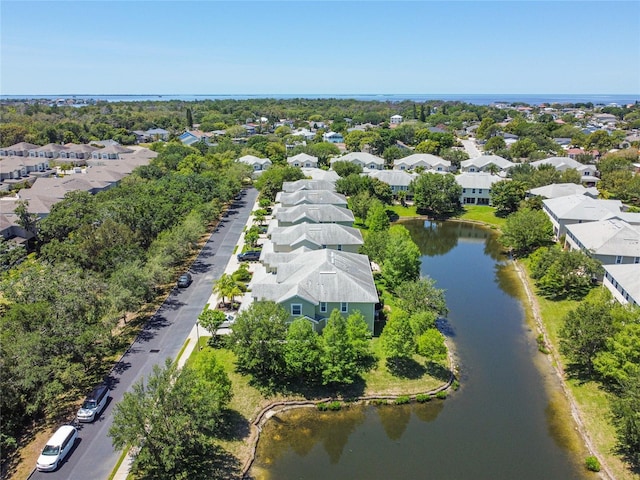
[
  {"x": 455, "y": 384},
  {"x": 441, "y": 395},
  {"x": 402, "y": 400},
  {"x": 333, "y": 406},
  {"x": 323, "y": 407},
  {"x": 378, "y": 401},
  {"x": 592, "y": 464},
  {"x": 423, "y": 398}
]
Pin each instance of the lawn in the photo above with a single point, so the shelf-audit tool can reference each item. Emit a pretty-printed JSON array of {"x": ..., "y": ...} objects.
[{"x": 482, "y": 213}]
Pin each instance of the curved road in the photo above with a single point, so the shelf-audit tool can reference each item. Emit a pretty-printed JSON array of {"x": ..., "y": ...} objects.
[{"x": 93, "y": 456}]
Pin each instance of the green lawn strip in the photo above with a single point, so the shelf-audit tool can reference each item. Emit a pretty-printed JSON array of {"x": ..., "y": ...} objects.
[
  {"x": 593, "y": 401},
  {"x": 123, "y": 455},
  {"x": 482, "y": 213},
  {"x": 400, "y": 211}
]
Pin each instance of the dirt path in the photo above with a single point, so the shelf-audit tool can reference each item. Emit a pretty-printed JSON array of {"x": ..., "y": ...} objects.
[{"x": 556, "y": 363}]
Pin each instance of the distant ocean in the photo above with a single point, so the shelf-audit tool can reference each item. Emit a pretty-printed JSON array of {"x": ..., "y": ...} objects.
[{"x": 476, "y": 99}]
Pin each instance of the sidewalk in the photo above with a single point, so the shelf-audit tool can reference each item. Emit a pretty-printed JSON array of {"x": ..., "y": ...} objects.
[{"x": 192, "y": 339}]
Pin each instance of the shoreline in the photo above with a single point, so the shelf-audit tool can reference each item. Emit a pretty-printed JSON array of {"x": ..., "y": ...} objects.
[{"x": 556, "y": 364}]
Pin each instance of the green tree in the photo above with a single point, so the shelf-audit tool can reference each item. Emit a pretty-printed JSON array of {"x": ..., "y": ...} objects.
[
  {"x": 523, "y": 148},
  {"x": 430, "y": 345},
  {"x": 526, "y": 230},
  {"x": 359, "y": 336},
  {"x": 402, "y": 258},
  {"x": 211, "y": 319},
  {"x": 377, "y": 218},
  {"x": 494, "y": 144},
  {"x": 625, "y": 410},
  {"x": 226, "y": 287},
  {"x": 421, "y": 295},
  {"x": 338, "y": 359},
  {"x": 435, "y": 194},
  {"x": 586, "y": 329},
  {"x": 620, "y": 361},
  {"x": 171, "y": 418},
  {"x": 344, "y": 168},
  {"x": 359, "y": 204},
  {"x": 258, "y": 338},
  {"x": 397, "y": 337},
  {"x": 189, "y": 118},
  {"x": 270, "y": 181},
  {"x": 302, "y": 351},
  {"x": 506, "y": 195}
]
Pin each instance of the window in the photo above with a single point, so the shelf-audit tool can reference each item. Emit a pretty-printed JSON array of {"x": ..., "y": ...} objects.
[
  {"x": 619, "y": 259},
  {"x": 473, "y": 190},
  {"x": 344, "y": 307},
  {"x": 323, "y": 307},
  {"x": 296, "y": 309},
  {"x": 340, "y": 247},
  {"x": 636, "y": 260}
]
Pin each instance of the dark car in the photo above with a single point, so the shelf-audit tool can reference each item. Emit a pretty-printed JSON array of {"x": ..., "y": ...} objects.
[
  {"x": 185, "y": 280},
  {"x": 250, "y": 256}
]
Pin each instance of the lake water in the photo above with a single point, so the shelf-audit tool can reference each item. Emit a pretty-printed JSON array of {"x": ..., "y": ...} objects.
[{"x": 508, "y": 420}]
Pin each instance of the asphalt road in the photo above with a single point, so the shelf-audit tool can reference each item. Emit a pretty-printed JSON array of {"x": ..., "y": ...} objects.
[{"x": 93, "y": 456}]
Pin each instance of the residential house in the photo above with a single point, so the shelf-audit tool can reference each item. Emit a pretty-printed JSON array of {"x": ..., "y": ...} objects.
[
  {"x": 476, "y": 187},
  {"x": 588, "y": 172},
  {"x": 303, "y": 160},
  {"x": 308, "y": 184},
  {"x": 289, "y": 216},
  {"x": 50, "y": 150},
  {"x": 316, "y": 236},
  {"x": 396, "y": 119},
  {"x": 256, "y": 164},
  {"x": 487, "y": 163},
  {"x": 623, "y": 281},
  {"x": 112, "y": 152},
  {"x": 365, "y": 160},
  {"x": 78, "y": 154},
  {"x": 302, "y": 197},
  {"x": 194, "y": 136},
  {"x": 320, "y": 174},
  {"x": 306, "y": 134},
  {"x": 398, "y": 180},
  {"x": 563, "y": 211},
  {"x": 315, "y": 283},
  {"x": 333, "y": 137},
  {"x": 425, "y": 161},
  {"x": 611, "y": 241},
  {"x": 21, "y": 149},
  {"x": 556, "y": 190}
]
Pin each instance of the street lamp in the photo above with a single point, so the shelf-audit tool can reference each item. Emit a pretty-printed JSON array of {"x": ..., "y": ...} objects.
[{"x": 198, "y": 335}]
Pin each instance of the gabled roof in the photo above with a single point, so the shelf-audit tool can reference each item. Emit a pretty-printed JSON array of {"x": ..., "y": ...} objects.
[
  {"x": 485, "y": 160},
  {"x": 422, "y": 159},
  {"x": 563, "y": 163},
  {"x": 22, "y": 146},
  {"x": 302, "y": 158},
  {"x": 477, "y": 180},
  {"x": 308, "y": 184},
  {"x": 398, "y": 178},
  {"x": 310, "y": 196},
  {"x": 252, "y": 160},
  {"x": 556, "y": 190},
  {"x": 320, "y": 174},
  {"x": 362, "y": 157},
  {"x": 317, "y": 234},
  {"x": 628, "y": 277},
  {"x": 608, "y": 237},
  {"x": 582, "y": 207},
  {"x": 320, "y": 276},
  {"x": 321, "y": 213}
]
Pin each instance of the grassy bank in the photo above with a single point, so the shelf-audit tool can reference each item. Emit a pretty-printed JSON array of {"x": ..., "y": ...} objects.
[
  {"x": 248, "y": 400},
  {"x": 592, "y": 401}
]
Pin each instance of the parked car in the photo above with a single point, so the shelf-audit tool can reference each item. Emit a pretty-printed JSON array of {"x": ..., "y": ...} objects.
[
  {"x": 93, "y": 404},
  {"x": 249, "y": 256},
  {"x": 57, "y": 448},
  {"x": 184, "y": 280}
]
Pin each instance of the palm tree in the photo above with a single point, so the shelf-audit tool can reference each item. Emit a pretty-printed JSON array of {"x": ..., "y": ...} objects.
[{"x": 225, "y": 286}]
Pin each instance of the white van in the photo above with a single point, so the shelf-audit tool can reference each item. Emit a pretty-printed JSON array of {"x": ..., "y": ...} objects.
[
  {"x": 93, "y": 404},
  {"x": 57, "y": 448}
]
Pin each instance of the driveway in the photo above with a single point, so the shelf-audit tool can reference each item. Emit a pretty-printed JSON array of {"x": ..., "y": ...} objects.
[
  {"x": 93, "y": 457},
  {"x": 471, "y": 148}
]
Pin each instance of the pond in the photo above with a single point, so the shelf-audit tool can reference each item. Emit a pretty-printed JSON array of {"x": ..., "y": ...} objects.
[{"x": 508, "y": 420}]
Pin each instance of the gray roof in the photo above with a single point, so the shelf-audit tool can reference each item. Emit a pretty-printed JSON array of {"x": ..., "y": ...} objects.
[
  {"x": 362, "y": 157},
  {"x": 608, "y": 237},
  {"x": 485, "y": 160},
  {"x": 398, "y": 178},
  {"x": 302, "y": 158},
  {"x": 308, "y": 184},
  {"x": 320, "y": 174},
  {"x": 425, "y": 159},
  {"x": 564, "y": 163},
  {"x": 322, "y": 213},
  {"x": 310, "y": 196},
  {"x": 320, "y": 276},
  {"x": 582, "y": 207},
  {"x": 628, "y": 277},
  {"x": 477, "y": 180},
  {"x": 252, "y": 160},
  {"x": 318, "y": 234},
  {"x": 558, "y": 190}
]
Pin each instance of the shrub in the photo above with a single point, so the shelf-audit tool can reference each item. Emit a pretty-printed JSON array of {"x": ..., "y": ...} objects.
[
  {"x": 592, "y": 464},
  {"x": 335, "y": 406},
  {"x": 379, "y": 401},
  {"x": 323, "y": 407},
  {"x": 441, "y": 395},
  {"x": 542, "y": 345},
  {"x": 423, "y": 398},
  {"x": 402, "y": 400},
  {"x": 455, "y": 384}
]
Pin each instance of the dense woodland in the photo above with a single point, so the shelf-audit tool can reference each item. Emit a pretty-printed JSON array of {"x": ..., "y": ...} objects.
[{"x": 95, "y": 258}]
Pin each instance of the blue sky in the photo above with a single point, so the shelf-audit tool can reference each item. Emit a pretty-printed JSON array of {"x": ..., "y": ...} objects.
[{"x": 328, "y": 47}]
